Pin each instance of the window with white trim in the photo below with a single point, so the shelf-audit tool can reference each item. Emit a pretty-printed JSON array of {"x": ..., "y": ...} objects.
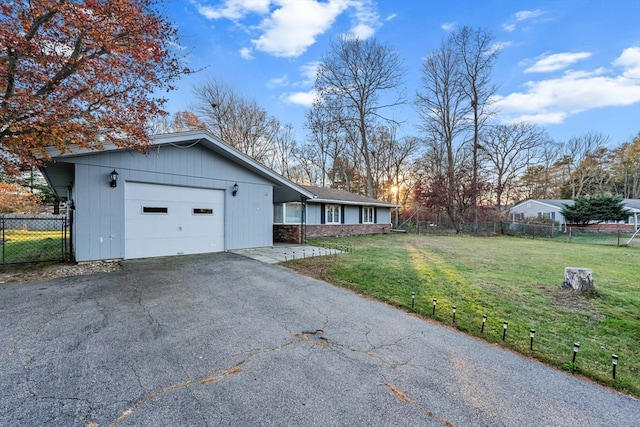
[
  {"x": 332, "y": 214},
  {"x": 287, "y": 213},
  {"x": 367, "y": 215}
]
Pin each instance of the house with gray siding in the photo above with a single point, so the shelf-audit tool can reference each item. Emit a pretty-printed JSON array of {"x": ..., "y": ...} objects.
[
  {"x": 190, "y": 193},
  {"x": 329, "y": 213}
]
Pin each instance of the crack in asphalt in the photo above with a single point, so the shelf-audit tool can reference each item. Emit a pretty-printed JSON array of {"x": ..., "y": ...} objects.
[{"x": 403, "y": 397}]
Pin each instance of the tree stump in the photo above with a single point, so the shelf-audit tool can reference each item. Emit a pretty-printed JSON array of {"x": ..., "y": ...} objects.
[{"x": 578, "y": 279}]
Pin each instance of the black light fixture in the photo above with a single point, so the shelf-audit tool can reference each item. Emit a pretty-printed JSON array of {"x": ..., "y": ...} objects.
[
  {"x": 576, "y": 347},
  {"x": 234, "y": 189},
  {"x": 114, "y": 178}
]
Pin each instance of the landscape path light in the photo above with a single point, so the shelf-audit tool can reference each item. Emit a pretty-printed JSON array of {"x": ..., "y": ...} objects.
[
  {"x": 434, "y": 306},
  {"x": 532, "y": 333},
  {"x": 505, "y": 324},
  {"x": 413, "y": 299},
  {"x": 484, "y": 320},
  {"x": 454, "y": 313},
  {"x": 614, "y": 360},
  {"x": 576, "y": 347}
]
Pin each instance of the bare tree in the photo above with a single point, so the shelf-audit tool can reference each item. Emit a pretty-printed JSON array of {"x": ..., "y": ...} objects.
[
  {"x": 511, "y": 150},
  {"x": 238, "y": 121},
  {"x": 477, "y": 54},
  {"x": 444, "y": 107},
  {"x": 352, "y": 78},
  {"x": 577, "y": 151}
]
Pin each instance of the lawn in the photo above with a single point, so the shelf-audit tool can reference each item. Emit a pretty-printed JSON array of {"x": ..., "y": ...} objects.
[
  {"x": 32, "y": 246},
  {"x": 509, "y": 279}
]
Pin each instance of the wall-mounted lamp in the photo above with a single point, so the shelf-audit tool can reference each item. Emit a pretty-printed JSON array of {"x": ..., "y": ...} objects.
[
  {"x": 114, "y": 178},
  {"x": 234, "y": 189}
]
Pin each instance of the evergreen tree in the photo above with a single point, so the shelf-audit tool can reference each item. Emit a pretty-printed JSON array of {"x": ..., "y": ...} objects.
[{"x": 595, "y": 209}]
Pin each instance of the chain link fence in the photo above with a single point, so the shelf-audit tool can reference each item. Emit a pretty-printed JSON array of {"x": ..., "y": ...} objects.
[{"x": 29, "y": 239}]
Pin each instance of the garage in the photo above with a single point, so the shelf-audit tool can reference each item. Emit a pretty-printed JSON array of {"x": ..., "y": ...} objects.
[{"x": 163, "y": 220}]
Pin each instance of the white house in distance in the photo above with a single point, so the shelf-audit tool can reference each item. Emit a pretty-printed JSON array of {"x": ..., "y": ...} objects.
[
  {"x": 550, "y": 208},
  {"x": 190, "y": 193}
]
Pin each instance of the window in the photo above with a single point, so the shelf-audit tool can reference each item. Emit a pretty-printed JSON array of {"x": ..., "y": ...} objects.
[
  {"x": 202, "y": 211},
  {"x": 367, "y": 215},
  {"x": 332, "y": 214},
  {"x": 287, "y": 213},
  {"x": 154, "y": 210}
]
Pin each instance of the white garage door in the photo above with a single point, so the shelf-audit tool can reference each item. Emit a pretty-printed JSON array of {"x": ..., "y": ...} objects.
[{"x": 165, "y": 220}]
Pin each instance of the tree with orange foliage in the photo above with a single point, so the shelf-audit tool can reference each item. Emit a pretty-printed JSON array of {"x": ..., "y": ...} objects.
[
  {"x": 81, "y": 72},
  {"x": 14, "y": 198}
]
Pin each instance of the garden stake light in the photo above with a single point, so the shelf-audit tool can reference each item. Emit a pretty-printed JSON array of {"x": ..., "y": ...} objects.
[
  {"x": 532, "y": 333},
  {"x": 413, "y": 299},
  {"x": 576, "y": 347},
  {"x": 304, "y": 254},
  {"x": 434, "y": 306},
  {"x": 614, "y": 360},
  {"x": 454, "y": 313},
  {"x": 484, "y": 320},
  {"x": 505, "y": 324}
]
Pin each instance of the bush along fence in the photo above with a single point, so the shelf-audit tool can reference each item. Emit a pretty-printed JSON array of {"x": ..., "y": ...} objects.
[{"x": 30, "y": 239}]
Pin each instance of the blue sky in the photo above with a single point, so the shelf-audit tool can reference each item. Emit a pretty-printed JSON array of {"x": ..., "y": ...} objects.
[{"x": 572, "y": 66}]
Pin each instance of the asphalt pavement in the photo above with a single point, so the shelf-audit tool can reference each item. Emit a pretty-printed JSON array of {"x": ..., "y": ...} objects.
[{"x": 222, "y": 339}]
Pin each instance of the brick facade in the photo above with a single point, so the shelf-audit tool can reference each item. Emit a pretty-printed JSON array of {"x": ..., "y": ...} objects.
[
  {"x": 292, "y": 233},
  {"x": 287, "y": 233}
]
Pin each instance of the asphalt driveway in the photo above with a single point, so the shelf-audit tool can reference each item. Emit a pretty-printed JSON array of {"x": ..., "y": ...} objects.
[{"x": 225, "y": 340}]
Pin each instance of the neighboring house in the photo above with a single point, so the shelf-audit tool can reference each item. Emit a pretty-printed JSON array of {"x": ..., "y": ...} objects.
[
  {"x": 550, "y": 208},
  {"x": 191, "y": 193},
  {"x": 331, "y": 212}
]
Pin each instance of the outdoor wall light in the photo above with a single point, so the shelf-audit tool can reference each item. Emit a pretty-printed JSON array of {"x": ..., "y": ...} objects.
[
  {"x": 114, "y": 178},
  {"x": 234, "y": 189}
]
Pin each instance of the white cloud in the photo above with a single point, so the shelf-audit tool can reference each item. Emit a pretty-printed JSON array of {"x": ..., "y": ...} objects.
[
  {"x": 308, "y": 72},
  {"x": 294, "y": 26},
  {"x": 523, "y": 15},
  {"x": 390, "y": 17},
  {"x": 551, "y": 101},
  {"x": 528, "y": 14},
  {"x": 557, "y": 61},
  {"x": 448, "y": 26},
  {"x": 300, "y": 98},
  {"x": 246, "y": 53},
  {"x": 288, "y": 27},
  {"x": 234, "y": 9},
  {"x": 630, "y": 61},
  {"x": 278, "y": 82}
]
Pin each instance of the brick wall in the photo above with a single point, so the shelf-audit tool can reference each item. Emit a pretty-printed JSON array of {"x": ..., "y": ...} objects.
[
  {"x": 347, "y": 230},
  {"x": 287, "y": 233},
  {"x": 610, "y": 227},
  {"x": 292, "y": 233}
]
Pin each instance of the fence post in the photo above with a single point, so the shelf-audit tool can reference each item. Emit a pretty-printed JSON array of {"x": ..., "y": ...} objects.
[{"x": 2, "y": 226}]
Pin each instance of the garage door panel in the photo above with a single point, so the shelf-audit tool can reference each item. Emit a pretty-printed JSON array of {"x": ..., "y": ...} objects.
[{"x": 178, "y": 220}]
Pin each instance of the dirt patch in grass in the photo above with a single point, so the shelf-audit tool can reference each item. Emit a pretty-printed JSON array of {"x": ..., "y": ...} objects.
[{"x": 568, "y": 299}]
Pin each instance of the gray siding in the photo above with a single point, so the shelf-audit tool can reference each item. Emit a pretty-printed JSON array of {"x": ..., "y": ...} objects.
[
  {"x": 99, "y": 216},
  {"x": 534, "y": 208},
  {"x": 351, "y": 214}
]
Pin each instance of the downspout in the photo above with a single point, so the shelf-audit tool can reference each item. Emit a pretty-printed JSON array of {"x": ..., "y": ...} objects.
[{"x": 303, "y": 220}]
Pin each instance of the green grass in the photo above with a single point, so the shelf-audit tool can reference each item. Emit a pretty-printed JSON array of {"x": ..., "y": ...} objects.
[
  {"x": 508, "y": 279},
  {"x": 32, "y": 246}
]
